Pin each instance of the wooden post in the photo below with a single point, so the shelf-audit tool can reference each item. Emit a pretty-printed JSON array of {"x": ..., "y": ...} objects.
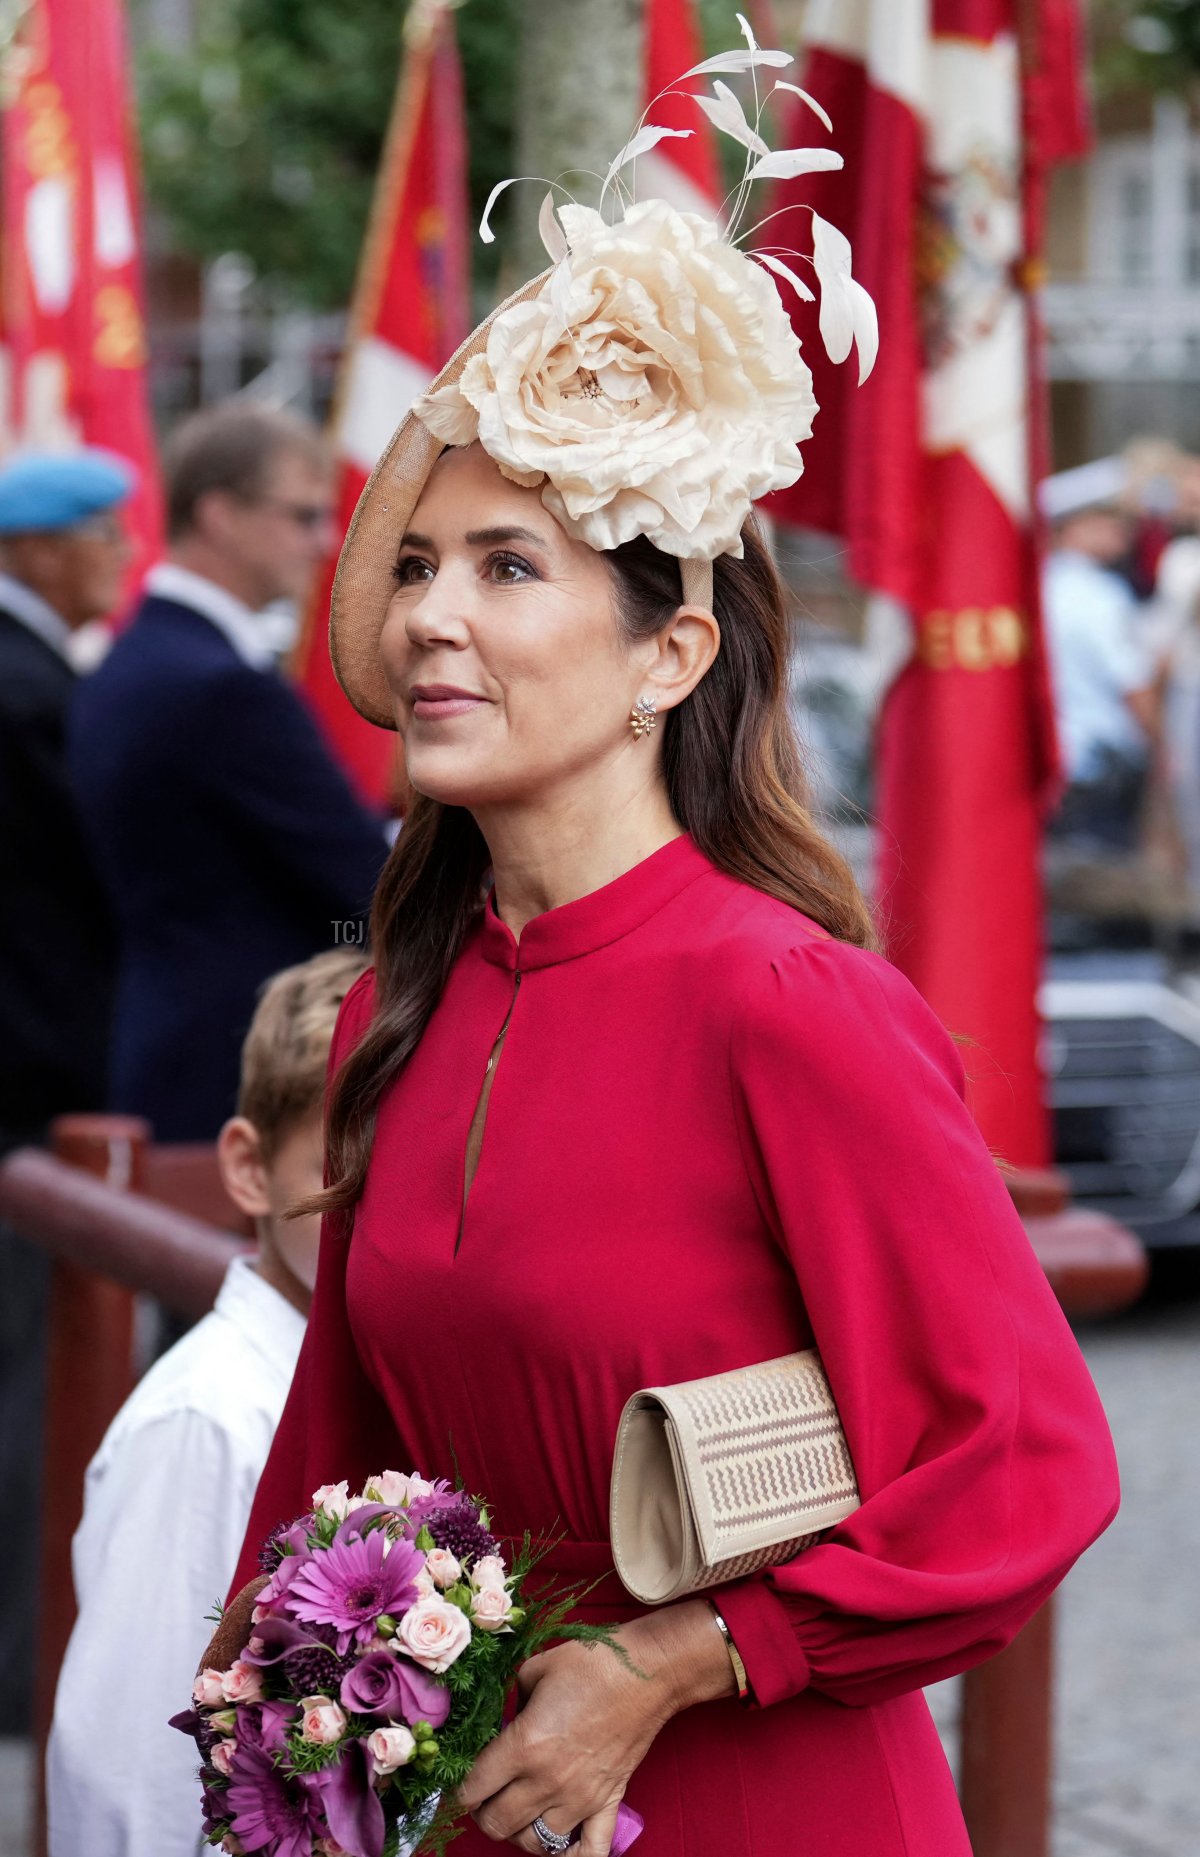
[
  {"x": 1095, "y": 1268},
  {"x": 89, "y": 1373},
  {"x": 1007, "y": 1745}
]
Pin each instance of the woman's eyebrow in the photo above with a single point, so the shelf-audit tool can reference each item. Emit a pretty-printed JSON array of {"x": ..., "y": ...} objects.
[
  {"x": 480, "y": 538},
  {"x": 486, "y": 538}
]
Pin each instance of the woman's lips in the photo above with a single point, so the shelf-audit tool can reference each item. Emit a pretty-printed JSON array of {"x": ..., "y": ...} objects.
[{"x": 438, "y": 702}]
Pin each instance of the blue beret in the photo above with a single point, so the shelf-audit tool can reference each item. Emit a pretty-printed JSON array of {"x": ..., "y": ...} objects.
[{"x": 55, "y": 490}]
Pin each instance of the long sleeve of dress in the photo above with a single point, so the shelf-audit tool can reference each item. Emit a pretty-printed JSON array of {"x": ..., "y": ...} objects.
[
  {"x": 335, "y": 1424},
  {"x": 983, "y": 1457}
]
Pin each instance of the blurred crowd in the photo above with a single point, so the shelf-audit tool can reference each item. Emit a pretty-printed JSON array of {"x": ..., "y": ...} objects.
[{"x": 1121, "y": 596}]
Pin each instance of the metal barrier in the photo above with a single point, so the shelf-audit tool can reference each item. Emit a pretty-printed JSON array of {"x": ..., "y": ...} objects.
[{"x": 109, "y": 1242}]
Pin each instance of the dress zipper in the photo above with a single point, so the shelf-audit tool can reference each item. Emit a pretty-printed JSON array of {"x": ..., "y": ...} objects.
[{"x": 479, "y": 1118}]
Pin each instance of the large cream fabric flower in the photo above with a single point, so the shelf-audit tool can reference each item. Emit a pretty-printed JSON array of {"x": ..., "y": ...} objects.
[{"x": 654, "y": 386}]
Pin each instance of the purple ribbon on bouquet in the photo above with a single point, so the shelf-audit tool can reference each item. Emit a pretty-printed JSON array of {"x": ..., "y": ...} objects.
[{"x": 629, "y": 1825}]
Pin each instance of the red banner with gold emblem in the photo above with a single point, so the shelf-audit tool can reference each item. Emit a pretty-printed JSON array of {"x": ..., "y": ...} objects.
[
  {"x": 928, "y": 472},
  {"x": 73, "y": 326},
  {"x": 410, "y": 313}
]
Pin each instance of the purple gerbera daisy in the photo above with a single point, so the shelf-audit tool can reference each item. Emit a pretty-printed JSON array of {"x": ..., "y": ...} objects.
[
  {"x": 349, "y": 1584},
  {"x": 269, "y": 1810}
]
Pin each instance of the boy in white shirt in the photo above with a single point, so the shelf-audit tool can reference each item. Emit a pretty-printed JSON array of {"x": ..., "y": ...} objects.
[{"x": 168, "y": 1494}]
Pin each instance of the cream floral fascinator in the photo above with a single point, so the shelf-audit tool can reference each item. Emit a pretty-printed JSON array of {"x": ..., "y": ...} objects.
[{"x": 649, "y": 382}]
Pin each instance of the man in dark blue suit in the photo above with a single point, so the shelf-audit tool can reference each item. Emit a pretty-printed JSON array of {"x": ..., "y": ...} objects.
[{"x": 230, "y": 842}]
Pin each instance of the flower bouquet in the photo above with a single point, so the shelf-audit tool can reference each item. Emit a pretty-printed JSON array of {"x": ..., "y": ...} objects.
[{"x": 381, "y": 1652}]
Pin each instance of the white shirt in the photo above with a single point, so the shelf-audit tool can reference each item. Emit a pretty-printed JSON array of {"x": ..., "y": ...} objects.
[
  {"x": 240, "y": 624},
  {"x": 1096, "y": 659},
  {"x": 166, "y": 1502},
  {"x": 33, "y": 613}
]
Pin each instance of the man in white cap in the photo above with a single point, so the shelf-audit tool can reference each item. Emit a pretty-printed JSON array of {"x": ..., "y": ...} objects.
[
  {"x": 1102, "y": 675},
  {"x": 62, "y": 555}
]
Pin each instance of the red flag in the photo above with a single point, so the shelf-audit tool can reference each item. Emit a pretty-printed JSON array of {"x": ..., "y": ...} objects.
[
  {"x": 927, "y": 472},
  {"x": 410, "y": 312},
  {"x": 73, "y": 312},
  {"x": 685, "y": 172}
]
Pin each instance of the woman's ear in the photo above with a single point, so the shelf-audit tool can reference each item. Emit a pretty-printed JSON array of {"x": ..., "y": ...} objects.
[{"x": 685, "y": 651}]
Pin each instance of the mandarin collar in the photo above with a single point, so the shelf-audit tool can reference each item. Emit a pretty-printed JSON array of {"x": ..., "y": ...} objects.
[{"x": 593, "y": 921}]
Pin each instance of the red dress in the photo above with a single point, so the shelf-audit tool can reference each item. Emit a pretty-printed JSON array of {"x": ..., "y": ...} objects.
[{"x": 716, "y": 1135}]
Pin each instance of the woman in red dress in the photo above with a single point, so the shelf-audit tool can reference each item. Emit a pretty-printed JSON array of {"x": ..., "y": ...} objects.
[{"x": 649, "y": 1105}]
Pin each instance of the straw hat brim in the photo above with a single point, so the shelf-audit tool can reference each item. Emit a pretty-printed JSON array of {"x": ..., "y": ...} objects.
[{"x": 363, "y": 585}]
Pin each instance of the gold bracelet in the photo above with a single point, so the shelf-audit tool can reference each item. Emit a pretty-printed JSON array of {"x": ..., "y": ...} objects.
[{"x": 735, "y": 1657}]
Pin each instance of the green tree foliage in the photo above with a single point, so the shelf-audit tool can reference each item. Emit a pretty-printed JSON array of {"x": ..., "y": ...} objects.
[
  {"x": 265, "y": 137},
  {"x": 1146, "y": 44}
]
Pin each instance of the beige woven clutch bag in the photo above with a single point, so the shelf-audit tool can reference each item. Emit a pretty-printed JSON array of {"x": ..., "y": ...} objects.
[{"x": 717, "y": 1478}]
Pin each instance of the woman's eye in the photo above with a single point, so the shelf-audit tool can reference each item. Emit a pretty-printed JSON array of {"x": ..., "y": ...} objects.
[
  {"x": 410, "y": 570},
  {"x": 509, "y": 569}
]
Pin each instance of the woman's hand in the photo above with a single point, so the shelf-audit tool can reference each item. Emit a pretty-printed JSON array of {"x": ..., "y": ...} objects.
[{"x": 585, "y": 1723}]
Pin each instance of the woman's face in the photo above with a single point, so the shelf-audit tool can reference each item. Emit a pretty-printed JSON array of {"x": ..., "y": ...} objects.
[{"x": 509, "y": 674}]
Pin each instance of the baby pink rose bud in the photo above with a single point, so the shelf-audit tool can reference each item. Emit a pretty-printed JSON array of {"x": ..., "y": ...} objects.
[
  {"x": 488, "y": 1572},
  {"x": 396, "y": 1489},
  {"x": 242, "y": 1683},
  {"x": 491, "y": 1609},
  {"x": 391, "y": 1748},
  {"x": 434, "y": 1633},
  {"x": 442, "y": 1567},
  {"x": 222, "y": 1757},
  {"x": 208, "y": 1691},
  {"x": 333, "y": 1499},
  {"x": 321, "y": 1720}
]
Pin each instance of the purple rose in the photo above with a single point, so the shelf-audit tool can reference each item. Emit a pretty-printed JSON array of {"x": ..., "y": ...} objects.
[
  {"x": 265, "y": 1725},
  {"x": 392, "y": 1689}
]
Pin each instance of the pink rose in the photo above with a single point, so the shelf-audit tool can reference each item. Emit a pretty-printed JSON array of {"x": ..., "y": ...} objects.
[
  {"x": 242, "y": 1683},
  {"x": 442, "y": 1567},
  {"x": 222, "y": 1757},
  {"x": 396, "y": 1489},
  {"x": 434, "y": 1633},
  {"x": 491, "y": 1608},
  {"x": 208, "y": 1691},
  {"x": 390, "y": 1748},
  {"x": 488, "y": 1572},
  {"x": 333, "y": 1499},
  {"x": 321, "y": 1720}
]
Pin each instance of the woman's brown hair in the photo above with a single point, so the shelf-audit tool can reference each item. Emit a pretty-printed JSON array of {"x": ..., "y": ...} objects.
[{"x": 736, "y": 783}]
